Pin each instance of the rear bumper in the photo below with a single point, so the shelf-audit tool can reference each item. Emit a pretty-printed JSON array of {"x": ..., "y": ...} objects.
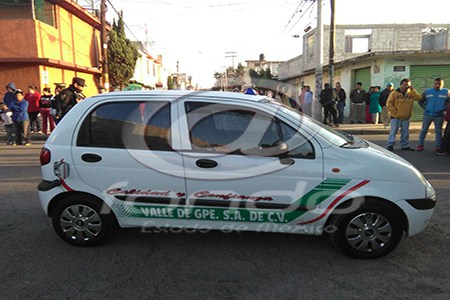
[{"x": 46, "y": 185}]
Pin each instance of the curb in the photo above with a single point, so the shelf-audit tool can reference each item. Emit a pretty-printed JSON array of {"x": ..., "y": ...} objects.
[{"x": 356, "y": 129}]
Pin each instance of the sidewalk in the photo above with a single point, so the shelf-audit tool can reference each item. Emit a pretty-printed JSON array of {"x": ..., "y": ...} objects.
[
  {"x": 358, "y": 129},
  {"x": 364, "y": 129}
]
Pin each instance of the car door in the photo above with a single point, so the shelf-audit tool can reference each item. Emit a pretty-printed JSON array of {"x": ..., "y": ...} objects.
[
  {"x": 247, "y": 166},
  {"x": 125, "y": 152}
]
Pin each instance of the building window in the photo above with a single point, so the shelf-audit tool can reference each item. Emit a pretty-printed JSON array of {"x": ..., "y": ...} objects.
[
  {"x": 358, "y": 40},
  {"x": 18, "y": 9},
  {"x": 23, "y": 9},
  {"x": 44, "y": 12},
  {"x": 434, "y": 39},
  {"x": 310, "y": 41}
]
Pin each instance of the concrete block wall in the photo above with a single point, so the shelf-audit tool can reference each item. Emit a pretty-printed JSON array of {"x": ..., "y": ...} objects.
[{"x": 384, "y": 38}]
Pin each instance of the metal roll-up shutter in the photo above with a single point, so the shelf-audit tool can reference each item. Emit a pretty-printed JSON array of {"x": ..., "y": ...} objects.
[
  {"x": 422, "y": 78},
  {"x": 363, "y": 75}
]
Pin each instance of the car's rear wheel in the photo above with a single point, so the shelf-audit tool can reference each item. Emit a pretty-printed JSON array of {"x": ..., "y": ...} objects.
[
  {"x": 79, "y": 221},
  {"x": 373, "y": 230}
]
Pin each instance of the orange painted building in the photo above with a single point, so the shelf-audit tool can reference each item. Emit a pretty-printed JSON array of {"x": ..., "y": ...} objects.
[{"x": 43, "y": 42}]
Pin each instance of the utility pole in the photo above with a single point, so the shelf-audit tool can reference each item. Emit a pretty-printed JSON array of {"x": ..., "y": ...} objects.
[
  {"x": 332, "y": 41},
  {"x": 318, "y": 54},
  {"x": 232, "y": 55},
  {"x": 104, "y": 42}
]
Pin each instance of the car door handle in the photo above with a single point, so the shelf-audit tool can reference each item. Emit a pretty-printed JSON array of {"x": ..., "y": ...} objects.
[
  {"x": 287, "y": 161},
  {"x": 206, "y": 163},
  {"x": 90, "y": 157}
]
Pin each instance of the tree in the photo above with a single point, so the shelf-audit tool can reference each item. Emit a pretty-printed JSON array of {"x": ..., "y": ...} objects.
[
  {"x": 169, "y": 82},
  {"x": 122, "y": 55},
  {"x": 234, "y": 78},
  {"x": 259, "y": 76}
]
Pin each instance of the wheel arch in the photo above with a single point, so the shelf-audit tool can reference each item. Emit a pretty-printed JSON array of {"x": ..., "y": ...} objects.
[
  {"x": 369, "y": 199},
  {"x": 106, "y": 209}
]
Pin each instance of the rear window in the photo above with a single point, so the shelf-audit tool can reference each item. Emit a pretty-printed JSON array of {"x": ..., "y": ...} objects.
[{"x": 131, "y": 125}]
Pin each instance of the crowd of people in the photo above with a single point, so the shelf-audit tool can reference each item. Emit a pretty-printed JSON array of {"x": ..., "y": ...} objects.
[
  {"x": 32, "y": 112},
  {"x": 391, "y": 107}
]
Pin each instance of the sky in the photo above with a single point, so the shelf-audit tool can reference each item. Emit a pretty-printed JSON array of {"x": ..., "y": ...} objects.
[{"x": 198, "y": 33}]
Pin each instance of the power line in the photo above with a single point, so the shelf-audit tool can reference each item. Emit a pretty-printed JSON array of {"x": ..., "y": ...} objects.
[
  {"x": 125, "y": 24},
  {"x": 300, "y": 18},
  {"x": 297, "y": 10}
]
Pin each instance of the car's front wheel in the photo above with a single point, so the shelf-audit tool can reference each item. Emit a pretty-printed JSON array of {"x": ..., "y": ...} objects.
[
  {"x": 78, "y": 220},
  {"x": 373, "y": 230}
]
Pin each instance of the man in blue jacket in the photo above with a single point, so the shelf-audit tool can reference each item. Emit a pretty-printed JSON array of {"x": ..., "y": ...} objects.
[
  {"x": 21, "y": 119},
  {"x": 434, "y": 102}
]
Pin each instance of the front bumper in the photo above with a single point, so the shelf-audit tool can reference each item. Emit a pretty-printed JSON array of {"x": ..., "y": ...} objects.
[{"x": 423, "y": 204}]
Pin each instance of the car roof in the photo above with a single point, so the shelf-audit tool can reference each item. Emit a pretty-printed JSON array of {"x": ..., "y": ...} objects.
[{"x": 171, "y": 95}]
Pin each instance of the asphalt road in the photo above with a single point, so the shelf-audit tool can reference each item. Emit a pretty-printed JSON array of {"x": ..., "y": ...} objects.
[{"x": 36, "y": 264}]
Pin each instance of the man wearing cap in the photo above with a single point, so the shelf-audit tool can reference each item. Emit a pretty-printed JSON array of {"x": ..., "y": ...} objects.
[
  {"x": 69, "y": 97},
  {"x": 54, "y": 102},
  {"x": 385, "y": 118}
]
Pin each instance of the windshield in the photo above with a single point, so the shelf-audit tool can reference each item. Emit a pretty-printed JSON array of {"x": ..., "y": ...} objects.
[{"x": 314, "y": 127}]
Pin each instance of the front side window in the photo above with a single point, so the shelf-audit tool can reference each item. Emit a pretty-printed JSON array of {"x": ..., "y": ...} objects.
[
  {"x": 235, "y": 130},
  {"x": 130, "y": 125}
]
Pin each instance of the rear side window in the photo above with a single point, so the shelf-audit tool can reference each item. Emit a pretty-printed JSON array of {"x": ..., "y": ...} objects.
[{"x": 130, "y": 125}]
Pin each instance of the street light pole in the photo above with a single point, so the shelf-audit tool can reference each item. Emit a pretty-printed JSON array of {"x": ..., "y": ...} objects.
[
  {"x": 104, "y": 42},
  {"x": 318, "y": 54},
  {"x": 332, "y": 41}
]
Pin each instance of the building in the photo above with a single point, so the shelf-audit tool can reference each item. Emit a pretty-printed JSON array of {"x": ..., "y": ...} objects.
[
  {"x": 375, "y": 54},
  {"x": 262, "y": 64},
  {"x": 239, "y": 79},
  {"x": 149, "y": 72},
  {"x": 48, "y": 41}
]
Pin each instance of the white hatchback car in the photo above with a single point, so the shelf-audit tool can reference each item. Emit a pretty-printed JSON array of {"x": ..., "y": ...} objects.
[{"x": 224, "y": 161}]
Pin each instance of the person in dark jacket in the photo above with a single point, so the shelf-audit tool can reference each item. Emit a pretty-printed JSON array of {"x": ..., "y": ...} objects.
[
  {"x": 9, "y": 97},
  {"x": 69, "y": 97},
  {"x": 44, "y": 108},
  {"x": 21, "y": 119},
  {"x": 328, "y": 101},
  {"x": 385, "y": 118},
  {"x": 358, "y": 98},
  {"x": 341, "y": 97}
]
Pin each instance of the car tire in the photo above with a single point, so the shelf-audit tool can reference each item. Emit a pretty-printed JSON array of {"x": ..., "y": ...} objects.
[
  {"x": 371, "y": 231},
  {"x": 79, "y": 220}
]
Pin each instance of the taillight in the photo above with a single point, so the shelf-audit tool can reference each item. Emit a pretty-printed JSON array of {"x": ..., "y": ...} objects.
[{"x": 45, "y": 156}]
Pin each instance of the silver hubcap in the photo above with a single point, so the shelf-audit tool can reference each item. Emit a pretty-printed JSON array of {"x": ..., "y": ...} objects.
[
  {"x": 368, "y": 232},
  {"x": 80, "y": 222}
]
